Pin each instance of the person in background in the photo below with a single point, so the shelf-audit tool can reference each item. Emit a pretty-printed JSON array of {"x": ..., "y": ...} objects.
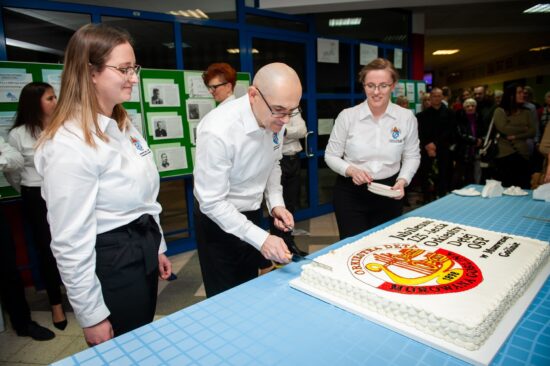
[
  {"x": 498, "y": 97},
  {"x": 466, "y": 94},
  {"x": 34, "y": 111},
  {"x": 108, "y": 244},
  {"x": 375, "y": 141},
  {"x": 485, "y": 106},
  {"x": 12, "y": 291},
  {"x": 220, "y": 79},
  {"x": 514, "y": 123},
  {"x": 544, "y": 149},
  {"x": 425, "y": 101},
  {"x": 290, "y": 176},
  {"x": 239, "y": 146},
  {"x": 402, "y": 101},
  {"x": 447, "y": 94},
  {"x": 437, "y": 127},
  {"x": 468, "y": 140}
]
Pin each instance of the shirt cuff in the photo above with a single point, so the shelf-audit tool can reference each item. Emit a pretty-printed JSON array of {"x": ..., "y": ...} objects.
[
  {"x": 100, "y": 314},
  {"x": 256, "y": 236},
  {"x": 162, "y": 247}
]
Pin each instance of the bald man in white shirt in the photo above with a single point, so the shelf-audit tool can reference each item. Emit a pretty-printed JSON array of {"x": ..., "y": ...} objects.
[{"x": 237, "y": 162}]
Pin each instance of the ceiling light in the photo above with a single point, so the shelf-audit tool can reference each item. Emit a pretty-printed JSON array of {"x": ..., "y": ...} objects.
[
  {"x": 539, "y": 8},
  {"x": 197, "y": 13},
  {"x": 445, "y": 52},
  {"x": 344, "y": 22},
  {"x": 541, "y": 48},
  {"x": 236, "y": 50}
]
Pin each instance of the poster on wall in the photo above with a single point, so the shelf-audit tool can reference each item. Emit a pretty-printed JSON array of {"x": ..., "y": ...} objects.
[
  {"x": 328, "y": 50},
  {"x": 367, "y": 53},
  {"x": 398, "y": 58},
  {"x": 12, "y": 82}
]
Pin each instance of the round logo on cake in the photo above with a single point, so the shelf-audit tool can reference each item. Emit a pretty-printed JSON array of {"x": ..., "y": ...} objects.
[{"x": 414, "y": 269}]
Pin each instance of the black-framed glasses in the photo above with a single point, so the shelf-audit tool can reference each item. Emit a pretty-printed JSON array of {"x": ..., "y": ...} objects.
[
  {"x": 212, "y": 88},
  {"x": 127, "y": 71},
  {"x": 278, "y": 114}
]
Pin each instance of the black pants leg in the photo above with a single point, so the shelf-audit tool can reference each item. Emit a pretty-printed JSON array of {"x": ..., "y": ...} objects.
[
  {"x": 127, "y": 267},
  {"x": 34, "y": 208},
  {"x": 358, "y": 210},
  {"x": 226, "y": 261},
  {"x": 12, "y": 291},
  {"x": 513, "y": 170}
]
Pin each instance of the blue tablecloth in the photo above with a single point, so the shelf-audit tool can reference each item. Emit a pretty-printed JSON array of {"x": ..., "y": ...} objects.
[{"x": 265, "y": 322}]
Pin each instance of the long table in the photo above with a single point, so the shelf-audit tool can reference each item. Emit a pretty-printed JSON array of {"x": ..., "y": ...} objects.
[{"x": 265, "y": 322}]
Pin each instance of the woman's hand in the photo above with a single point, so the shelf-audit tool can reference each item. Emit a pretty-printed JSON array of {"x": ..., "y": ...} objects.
[
  {"x": 358, "y": 176},
  {"x": 165, "y": 267},
  {"x": 399, "y": 186},
  {"x": 99, "y": 333}
]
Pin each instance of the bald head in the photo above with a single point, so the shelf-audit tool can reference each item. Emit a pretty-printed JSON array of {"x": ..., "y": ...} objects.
[{"x": 276, "y": 88}]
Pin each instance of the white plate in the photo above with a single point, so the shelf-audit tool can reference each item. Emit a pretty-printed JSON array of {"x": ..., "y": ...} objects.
[
  {"x": 383, "y": 190},
  {"x": 516, "y": 192},
  {"x": 469, "y": 192}
]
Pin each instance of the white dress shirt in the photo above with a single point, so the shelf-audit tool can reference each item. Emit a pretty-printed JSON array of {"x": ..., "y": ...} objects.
[
  {"x": 237, "y": 162},
  {"x": 295, "y": 130},
  {"x": 10, "y": 158},
  {"x": 228, "y": 99},
  {"x": 22, "y": 140},
  {"x": 382, "y": 148},
  {"x": 89, "y": 191}
]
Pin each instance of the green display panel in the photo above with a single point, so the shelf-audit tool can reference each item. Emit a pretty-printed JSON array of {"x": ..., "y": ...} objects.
[{"x": 413, "y": 90}]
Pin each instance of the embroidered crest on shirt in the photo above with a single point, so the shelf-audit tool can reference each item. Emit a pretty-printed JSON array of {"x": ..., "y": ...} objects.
[
  {"x": 139, "y": 147},
  {"x": 395, "y": 133}
]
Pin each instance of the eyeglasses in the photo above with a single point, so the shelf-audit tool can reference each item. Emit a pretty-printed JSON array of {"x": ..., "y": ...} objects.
[
  {"x": 128, "y": 71},
  {"x": 278, "y": 114},
  {"x": 383, "y": 87},
  {"x": 212, "y": 88}
]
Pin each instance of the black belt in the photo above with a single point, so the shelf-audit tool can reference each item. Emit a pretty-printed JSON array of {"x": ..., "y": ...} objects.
[{"x": 146, "y": 226}]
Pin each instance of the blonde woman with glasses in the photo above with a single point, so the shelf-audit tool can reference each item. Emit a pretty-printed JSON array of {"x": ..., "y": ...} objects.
[
  {"x": 100, "y": 186},
  {"x": 375, "y": 142}
]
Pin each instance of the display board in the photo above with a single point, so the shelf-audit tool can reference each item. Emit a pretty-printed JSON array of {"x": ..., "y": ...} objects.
[
  {"x": 166, "y": 108},
  {"x": 413, "y": 90}
]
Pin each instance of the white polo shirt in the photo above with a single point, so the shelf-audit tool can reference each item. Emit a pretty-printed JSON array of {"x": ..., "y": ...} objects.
[
  {"x": 384, "y": 147},
  {"x": 22, "y": 140},
  {"x": 89, "y": 191},
  {"x": 236, "y": 163}
]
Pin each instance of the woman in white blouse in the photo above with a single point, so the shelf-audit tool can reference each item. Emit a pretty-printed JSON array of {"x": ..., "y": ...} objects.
[
  {"x": 37, "y": 102},
  {"x": 101, "y": 186},
  {"x": 375, "y": 141}
]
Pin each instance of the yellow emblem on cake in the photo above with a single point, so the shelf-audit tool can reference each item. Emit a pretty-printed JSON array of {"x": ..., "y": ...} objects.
[{"x": 432, "y": 266}]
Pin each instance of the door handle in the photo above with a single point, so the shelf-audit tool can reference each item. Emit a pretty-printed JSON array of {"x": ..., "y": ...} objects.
[{"x": 309, "y": 153}]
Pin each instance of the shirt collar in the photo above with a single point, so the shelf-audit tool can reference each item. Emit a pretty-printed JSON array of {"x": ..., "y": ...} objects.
[
  {"x": 249, "y": 120},
  {"x": 365, "y": 112}
]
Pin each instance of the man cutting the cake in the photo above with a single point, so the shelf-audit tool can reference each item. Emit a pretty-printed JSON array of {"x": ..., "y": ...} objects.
[{"x": 237, "y": 163}]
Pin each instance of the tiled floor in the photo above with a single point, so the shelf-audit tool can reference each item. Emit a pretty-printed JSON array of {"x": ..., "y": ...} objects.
[{"x": 186, "y": 290}]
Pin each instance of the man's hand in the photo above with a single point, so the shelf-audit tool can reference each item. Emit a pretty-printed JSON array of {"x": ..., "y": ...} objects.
[
  {"x": 99, "y": 333},
  {"x": 275, "y": 249},
  {"x": 282, "y": 218},
  {"x": 165, "y": 267},
  {"x": 399, "y": 186},
  {"x": 358, "y": 176}
]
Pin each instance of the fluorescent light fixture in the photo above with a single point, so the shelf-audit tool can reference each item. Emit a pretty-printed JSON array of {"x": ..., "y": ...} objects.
[
  {"x": 344, "y": 22},
  {"x": 445, "y": 52},
  {"x": 189, "y": 13},
  {"x": 541, "y": 48},
  {"x": 32, "y": 46},
  {"x": 539, "y": 8},
  {"x": 236, "y": 50}
]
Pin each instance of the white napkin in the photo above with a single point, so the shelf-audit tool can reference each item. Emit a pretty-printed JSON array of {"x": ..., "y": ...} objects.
[
  {"x": 492, "y": 188},
  {"x": 515, "y": 191},
  {"x": 542, "y": 192},
  {"x": 383, "y": 190}
]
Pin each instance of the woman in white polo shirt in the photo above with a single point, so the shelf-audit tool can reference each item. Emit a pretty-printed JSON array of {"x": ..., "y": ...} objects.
[
  {"x": 373, "y": 142},
  {"x": 101, "y": 186}
]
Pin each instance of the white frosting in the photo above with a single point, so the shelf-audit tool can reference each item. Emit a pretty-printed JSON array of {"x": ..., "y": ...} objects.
[{"x": 507, "y": 263}]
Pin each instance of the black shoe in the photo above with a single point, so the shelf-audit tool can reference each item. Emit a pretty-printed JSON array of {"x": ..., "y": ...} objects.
[
  {"x": 36, "y": 332},
  {"x": 60, "y": 325},
  {"x": 294, "y": 248}
]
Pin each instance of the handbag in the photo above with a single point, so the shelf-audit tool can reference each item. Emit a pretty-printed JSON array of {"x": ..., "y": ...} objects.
[{"x": 489, "y": 150}]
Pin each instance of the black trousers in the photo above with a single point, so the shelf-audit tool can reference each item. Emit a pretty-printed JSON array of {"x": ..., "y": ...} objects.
[
  {"x": 35, "y": 211},
  {"x": 226, "y": 261},
  {"x": 357, "y": 209},
  {"x": 290, "y": 180},
  {"x": 514, "y": 170},
  {"x": 12, "y": 291},
  {"x": 127, "y": 267}
]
